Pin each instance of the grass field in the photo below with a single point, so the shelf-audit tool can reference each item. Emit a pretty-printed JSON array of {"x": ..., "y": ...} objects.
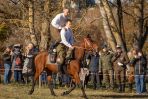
[{"x": 15, "y": 91}]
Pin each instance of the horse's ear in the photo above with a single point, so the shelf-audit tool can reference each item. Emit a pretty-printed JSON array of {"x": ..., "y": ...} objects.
[{"x": 88, "y": 36}]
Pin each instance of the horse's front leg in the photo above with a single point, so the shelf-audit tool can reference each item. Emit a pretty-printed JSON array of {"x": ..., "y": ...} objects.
[
  {"x": 50, "y": 85},
  {"x": 70, "y": 90}
]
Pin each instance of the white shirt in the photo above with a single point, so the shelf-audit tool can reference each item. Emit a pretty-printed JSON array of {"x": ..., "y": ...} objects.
[
  {"x": 59, "y": 21},
  {"x": 67, "y": 37}
]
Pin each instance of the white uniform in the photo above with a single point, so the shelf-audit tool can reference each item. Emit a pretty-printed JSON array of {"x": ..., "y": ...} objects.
[{"x": 59, "y": 21}]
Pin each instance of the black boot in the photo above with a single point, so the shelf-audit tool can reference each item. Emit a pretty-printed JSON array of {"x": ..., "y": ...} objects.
[{"x": 67, "y": 60}]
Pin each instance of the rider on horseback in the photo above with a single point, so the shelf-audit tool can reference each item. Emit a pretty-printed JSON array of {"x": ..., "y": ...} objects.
[
  {"x": 56, "y": 25},
  {"x": 67, "y": 41}
]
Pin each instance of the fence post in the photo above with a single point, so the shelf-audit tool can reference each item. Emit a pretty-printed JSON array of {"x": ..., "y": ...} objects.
[{"x": 40, "y": 81}]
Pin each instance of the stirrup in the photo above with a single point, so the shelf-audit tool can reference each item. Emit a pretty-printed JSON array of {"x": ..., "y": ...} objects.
[{"x": 67, "y": 60}]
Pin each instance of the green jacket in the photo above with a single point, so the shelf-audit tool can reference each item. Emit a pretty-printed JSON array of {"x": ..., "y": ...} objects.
[{"x": 106, "y": 60}]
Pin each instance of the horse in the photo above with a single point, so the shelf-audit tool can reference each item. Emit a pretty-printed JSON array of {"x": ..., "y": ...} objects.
[{"x": 73, "y": 67}]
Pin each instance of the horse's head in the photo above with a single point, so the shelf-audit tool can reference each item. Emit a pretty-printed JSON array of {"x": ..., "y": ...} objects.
[
  {"x": 85, "y": 45},
  {"x": 90, "y": 45}
]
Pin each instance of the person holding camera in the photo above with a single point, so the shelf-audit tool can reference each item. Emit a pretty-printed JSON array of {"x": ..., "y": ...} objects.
[{"x": 139, "y": 62}]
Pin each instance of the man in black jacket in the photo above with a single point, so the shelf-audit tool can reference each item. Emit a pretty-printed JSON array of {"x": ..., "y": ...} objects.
[{"x": 139, "y": 62}]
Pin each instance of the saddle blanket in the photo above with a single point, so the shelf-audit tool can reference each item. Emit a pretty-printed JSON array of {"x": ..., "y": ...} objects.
[{"x": 48, "y": 60}]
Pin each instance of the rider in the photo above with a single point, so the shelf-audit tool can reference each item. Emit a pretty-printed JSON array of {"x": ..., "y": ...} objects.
[
  {"x": 56, "y": 25},
  {"x": 67, "y": 41}
]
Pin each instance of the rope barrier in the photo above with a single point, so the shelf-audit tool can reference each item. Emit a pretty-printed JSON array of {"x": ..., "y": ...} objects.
[{"x": 99, "y": 73}]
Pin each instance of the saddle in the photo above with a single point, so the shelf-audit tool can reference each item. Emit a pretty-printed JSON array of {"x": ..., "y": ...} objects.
[{"x": 53, "y": 57}]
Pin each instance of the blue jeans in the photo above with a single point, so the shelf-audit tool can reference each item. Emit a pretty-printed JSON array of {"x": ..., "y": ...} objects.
[
  {"x": 139, "y": 82},
  {"x": 44, "y": 77},
  {"x": 65, "y": 79},
  {"x": 7, "y": 73},
  {"x": 17, "y": 75}
]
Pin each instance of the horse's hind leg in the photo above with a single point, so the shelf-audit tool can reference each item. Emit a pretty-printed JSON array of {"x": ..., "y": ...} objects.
[
  {"x": 50, "y": 84},
  {"x": 37, "y": 73}
]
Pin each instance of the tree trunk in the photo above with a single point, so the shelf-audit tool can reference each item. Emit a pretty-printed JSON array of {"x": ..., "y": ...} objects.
[
  {"x": 120, "y": 18},
  {"x": 139, "y": 23},
  {"x": 45, "y": 27},
  {"x": 110, "y": 38},
  {"x": 24, "y": 18},
  {"x": 113, "y": 24},
  {"x": 31, "y": 22},
  {"x": 120, "y": 22}
]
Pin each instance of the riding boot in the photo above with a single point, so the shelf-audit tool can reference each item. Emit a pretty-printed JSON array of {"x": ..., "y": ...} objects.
[
  {"x": 69, "y": 55},
  {"x": 67, "y": 60}
]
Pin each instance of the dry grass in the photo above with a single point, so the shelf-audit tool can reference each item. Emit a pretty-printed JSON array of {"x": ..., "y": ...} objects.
[{"x": 14, "y": 91}]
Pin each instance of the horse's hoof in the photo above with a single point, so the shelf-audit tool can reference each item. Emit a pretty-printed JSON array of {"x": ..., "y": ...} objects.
[
  {"x": 30, "y": 92},
  {"x": 85, "y": 97},
  {"x": 63, "y": 94},
  {"x": 54, "y": 95}
]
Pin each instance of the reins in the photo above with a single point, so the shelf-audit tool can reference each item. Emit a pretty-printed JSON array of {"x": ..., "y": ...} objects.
[{"x": 86, "y": 42}]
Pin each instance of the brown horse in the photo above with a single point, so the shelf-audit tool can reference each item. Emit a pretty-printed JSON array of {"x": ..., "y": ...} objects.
[{"x": 73, "y": 67}]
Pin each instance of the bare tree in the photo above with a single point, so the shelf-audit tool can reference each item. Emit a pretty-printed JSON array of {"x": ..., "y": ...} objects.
[
  {"x": 110, "y": 38},
  {"x": 140, "y": 34},
  {"x": 113, "y": 25},
  {"x": 45, "y": 27},
  {"x": 31, "y": 22}
]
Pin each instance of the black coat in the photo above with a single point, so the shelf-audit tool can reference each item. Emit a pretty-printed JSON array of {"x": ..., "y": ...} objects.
[
  {"x": 6, "y": 57},
  {"x": 140, "y": 65}
]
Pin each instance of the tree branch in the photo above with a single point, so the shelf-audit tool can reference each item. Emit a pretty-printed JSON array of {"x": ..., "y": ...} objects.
[
  {"x": 122, "y": 10},
  {"x": 145, "y": 17},
  {"x": 14, "y": 2}
]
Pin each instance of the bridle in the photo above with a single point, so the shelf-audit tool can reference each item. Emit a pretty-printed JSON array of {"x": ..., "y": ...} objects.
[{"x": 87, "y": 42}]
